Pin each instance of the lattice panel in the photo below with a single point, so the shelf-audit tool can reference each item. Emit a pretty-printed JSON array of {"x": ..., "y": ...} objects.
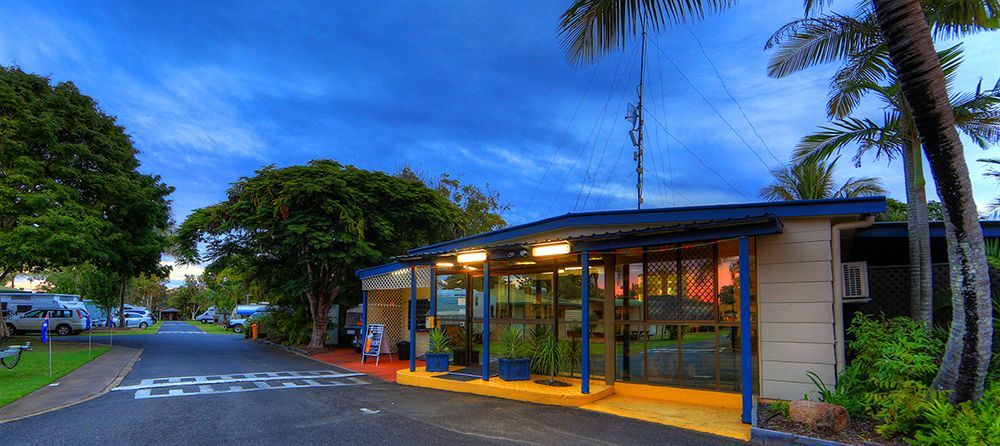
[
  {"x": 681, "y": 284},
  {"x": 387, "y": 307},
  {"x": 397, "y": 280}
]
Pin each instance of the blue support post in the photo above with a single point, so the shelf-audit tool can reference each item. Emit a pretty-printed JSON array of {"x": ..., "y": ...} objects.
[
  {"x": 486, "y": 320},
  {"x": 585, "y": 307},
  {"x": 364, "y": 322},
  {"x": 746, "y": 353},
  {"x": 434, "y": 294},
  {"x": 413, "y": 318}
]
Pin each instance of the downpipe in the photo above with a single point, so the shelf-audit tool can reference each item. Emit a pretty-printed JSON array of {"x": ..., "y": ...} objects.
[{"x": 838, "y": 287}]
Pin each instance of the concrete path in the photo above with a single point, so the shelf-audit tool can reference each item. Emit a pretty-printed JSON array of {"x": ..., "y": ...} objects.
[{"x": 94, "y": 379}]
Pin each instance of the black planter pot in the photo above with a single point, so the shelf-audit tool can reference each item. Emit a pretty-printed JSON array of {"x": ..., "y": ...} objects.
[
  {"x": 464, "y": 358},
  {"x": 436, "y": 362},
  {"x": 518, "y": 369}
]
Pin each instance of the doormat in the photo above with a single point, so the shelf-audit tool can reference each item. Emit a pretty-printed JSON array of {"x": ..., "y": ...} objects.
[
  {"x": 475, "y": 371},
  {"x": 461, "y": 378}
]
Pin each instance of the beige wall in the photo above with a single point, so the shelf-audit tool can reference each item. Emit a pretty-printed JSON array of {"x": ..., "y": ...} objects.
[{"x": 796, "y": 308}]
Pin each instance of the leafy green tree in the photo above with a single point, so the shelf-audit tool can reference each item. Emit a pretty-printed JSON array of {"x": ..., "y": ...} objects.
[
  {"x": 70, "y": 191},
  {"x": 304, "y": 230},
  {"x": 481, "y": 209},
  {"x": 897, "y": 211},
  {"x": 87, "y": 281},
  {"x": 813, "y": 180}
]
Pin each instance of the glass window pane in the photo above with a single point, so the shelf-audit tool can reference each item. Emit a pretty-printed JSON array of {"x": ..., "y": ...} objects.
[
  {"x": 662, "y": 354},
  {"x": 451, "y": 299},
  {"x": 698, "y": 354}
]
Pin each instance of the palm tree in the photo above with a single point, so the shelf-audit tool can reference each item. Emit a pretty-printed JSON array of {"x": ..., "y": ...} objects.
[
  {"x": 591, "y": 28},
  {"x": 869, "y": 68},
  {"x": 813, "y": 180}
]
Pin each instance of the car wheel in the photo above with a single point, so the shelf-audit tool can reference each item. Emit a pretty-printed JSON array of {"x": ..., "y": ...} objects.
[
  {"x": 64, "y": 330},
  {"x": 11, "y": 329},
  {"x": 143, "y": 325},
  {"x": 204, "y": 321},
  {"x": 237, "y": 329}
]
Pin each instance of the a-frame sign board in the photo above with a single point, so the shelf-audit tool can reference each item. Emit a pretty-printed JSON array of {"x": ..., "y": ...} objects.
[{"x": 373, "y": 342}]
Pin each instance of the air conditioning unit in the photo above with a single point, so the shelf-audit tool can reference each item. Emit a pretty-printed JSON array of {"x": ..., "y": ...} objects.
[{"x": 855, "y": 280}]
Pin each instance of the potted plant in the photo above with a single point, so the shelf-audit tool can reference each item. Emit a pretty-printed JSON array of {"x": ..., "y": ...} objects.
[
  {"x": 438, "y": 351},
  {"x": 512, "y": 351}
]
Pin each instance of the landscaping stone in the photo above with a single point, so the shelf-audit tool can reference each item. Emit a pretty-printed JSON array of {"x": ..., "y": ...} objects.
[{"x": 817, "y": 414}]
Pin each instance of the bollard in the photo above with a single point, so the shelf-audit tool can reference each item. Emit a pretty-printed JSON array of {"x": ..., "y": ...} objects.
[{"x": 253, "y": 331}]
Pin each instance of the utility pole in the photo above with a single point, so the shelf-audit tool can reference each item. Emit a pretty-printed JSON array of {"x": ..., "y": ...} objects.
[{"x": 637, "y": 120}]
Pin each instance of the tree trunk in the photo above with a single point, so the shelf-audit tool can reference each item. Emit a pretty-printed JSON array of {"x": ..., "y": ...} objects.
[
  {"x": 919, "y": 237},
  {"x": 121, "y": 306},
  {"x": 911, "y": 50},
  {"x": 319, "y": 308}
]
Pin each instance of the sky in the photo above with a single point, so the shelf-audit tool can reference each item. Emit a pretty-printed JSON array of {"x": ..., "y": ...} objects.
[{"x": 212, "y": 91}]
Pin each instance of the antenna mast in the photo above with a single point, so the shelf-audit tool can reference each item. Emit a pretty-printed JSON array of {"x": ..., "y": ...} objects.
[{"x": 637, "y": 121}]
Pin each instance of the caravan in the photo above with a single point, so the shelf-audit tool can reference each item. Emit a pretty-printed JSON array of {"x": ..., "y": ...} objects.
[{"x": 13, "y": 303}]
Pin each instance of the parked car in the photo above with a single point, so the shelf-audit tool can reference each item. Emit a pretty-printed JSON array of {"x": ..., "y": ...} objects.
[
  {"x": 207, "y": 317},
  {"x": 22, "y": 302},
  {"x": 238, "y": 319},
  {"x": 62, "y": 321},
  {"x": 144, "y": 313},
  {"x": 138, "y": 319}
]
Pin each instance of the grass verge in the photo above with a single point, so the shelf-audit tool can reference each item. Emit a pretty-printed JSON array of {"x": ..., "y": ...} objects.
[
  {"x": 210, "y": 328},
  {"x": 32, "y": 373},
  {"x": 128, "y": 331}
]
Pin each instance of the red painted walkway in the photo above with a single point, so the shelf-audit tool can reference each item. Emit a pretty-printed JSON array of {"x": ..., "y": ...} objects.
[{"x": 346, "y": 358}]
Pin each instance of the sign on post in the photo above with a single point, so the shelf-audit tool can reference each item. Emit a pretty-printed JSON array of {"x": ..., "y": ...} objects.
[{"x": 373, "y": 342}]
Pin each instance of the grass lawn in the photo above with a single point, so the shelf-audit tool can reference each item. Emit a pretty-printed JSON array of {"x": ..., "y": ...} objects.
[
  {"x": 211, "y": 328},
  {"x": 32, "y": 373},
  {"x": 128, "y": 331}
]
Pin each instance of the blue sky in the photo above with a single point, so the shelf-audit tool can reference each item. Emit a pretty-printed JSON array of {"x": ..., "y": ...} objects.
[{"x": 211, "y": 91}]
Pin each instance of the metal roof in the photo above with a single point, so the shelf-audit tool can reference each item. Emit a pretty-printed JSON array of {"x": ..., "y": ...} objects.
[
  {"x": 899, "y": 229},
  {"x": 659, "y": 216}
]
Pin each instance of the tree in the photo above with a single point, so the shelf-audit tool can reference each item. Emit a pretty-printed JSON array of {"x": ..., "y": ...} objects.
[
  {"x": 857, "y": 42},
  {"x": 87, "y": 281},
  {"x": 192, "y": 297},
  {"x": 70, "y": 191},
  {"x": 911, "y": 50},
  {"x": 480, "y": 210},
  {"x": 304, "y": 230},
  {"x": 813, "y": 180},
  {"x": 897, "y": 210}
]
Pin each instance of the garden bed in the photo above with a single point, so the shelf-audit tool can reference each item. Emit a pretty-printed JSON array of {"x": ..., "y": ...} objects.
[{"x": 861, "y": 431}]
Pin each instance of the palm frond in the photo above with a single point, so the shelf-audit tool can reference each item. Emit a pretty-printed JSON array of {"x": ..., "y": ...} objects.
[
  {"x": 864, "y": 133},
  {"x": 814, "y": 41},
  {"x": 977, "y": 115},
  {"x": 871, "y": 66},
  {"x": 955, "y": 18},
  {"x": 860, "y": 187},
  {"x": 590, "y": 29}
]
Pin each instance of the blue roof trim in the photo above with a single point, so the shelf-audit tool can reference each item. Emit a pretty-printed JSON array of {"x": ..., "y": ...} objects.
[
  {"x": 803, "y": 208},
  {"x": 380, "y": 269},
  {"x": 991, "y": 229}
]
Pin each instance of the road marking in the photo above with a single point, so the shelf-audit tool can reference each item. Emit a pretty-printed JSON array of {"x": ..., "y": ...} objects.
[
  {"x": 236, "y": 378},
  {"x": 250, "y": 387}
]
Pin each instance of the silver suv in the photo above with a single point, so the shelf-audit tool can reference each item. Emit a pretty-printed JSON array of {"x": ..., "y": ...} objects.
[{"x": 62, "y": 321}]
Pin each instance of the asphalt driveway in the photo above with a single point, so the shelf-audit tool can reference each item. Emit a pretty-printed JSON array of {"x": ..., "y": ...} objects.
[{"x": 190, "y": 388}]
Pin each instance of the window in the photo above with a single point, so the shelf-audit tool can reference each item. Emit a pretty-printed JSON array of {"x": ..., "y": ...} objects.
[{"x": 34, "y": 314}]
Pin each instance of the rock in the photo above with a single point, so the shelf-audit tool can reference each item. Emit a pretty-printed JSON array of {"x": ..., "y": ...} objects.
[{"x": 819, "y": 414}]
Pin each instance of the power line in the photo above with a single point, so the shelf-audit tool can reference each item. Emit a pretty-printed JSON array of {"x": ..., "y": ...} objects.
[
  {"x": 723, "y": 118},
  {"x": 563, "y": 139},
  {"x": 681, "y": 143},
  {"x": 726, "y": 89},
  {"x": 577, "y": 159}
]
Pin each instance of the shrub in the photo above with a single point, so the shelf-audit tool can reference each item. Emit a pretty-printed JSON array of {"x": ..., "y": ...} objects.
[
  {"x": 285, "y": 325},
  {"x": 848, "y": 392},
  {"x": 779, "y": 407},
  {"x": 438, "y": 341},
  {"x": 943, "y": 424},
  {"x": 512, "y": 344}
]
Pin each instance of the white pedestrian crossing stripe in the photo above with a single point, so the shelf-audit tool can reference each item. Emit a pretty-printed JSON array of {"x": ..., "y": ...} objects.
[{"x": 241, "y": 382}]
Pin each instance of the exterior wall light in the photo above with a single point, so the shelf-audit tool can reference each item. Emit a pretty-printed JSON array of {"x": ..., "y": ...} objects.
[
  {"x": 550, "y": 249},
  {"x": 445, "y": 264},
  {"x": 471, "y": 257}
]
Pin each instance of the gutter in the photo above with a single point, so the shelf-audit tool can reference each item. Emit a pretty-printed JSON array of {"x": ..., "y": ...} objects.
[{"x": 838, "y": 286}]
